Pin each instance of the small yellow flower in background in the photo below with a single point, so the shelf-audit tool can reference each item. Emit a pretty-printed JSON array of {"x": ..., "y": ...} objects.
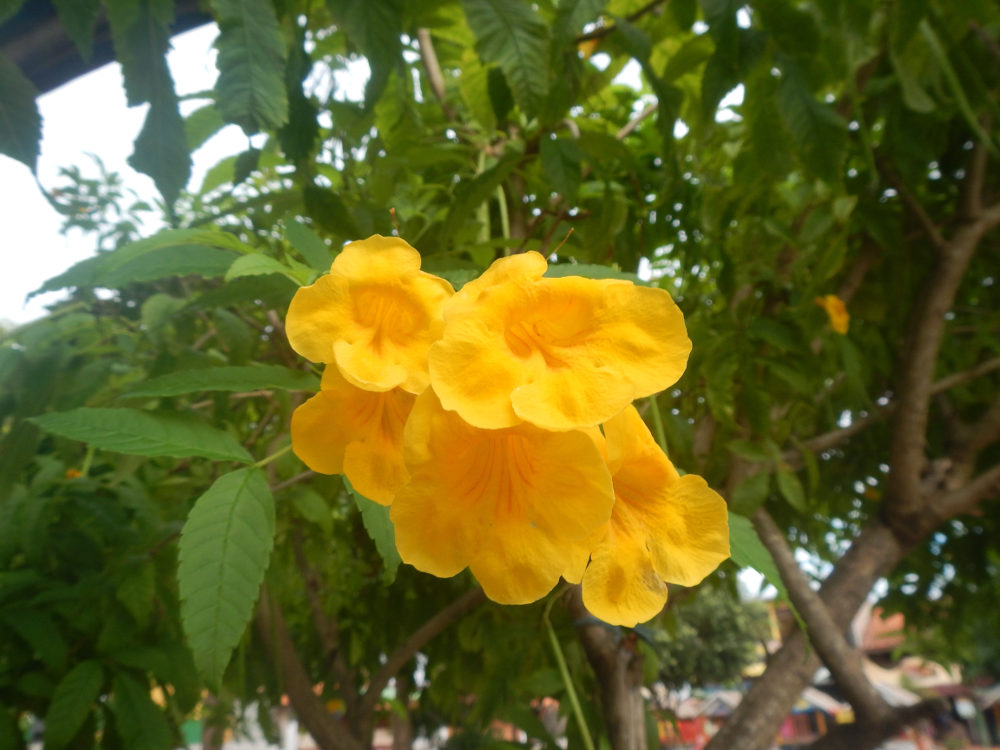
[
  {"x": 836, "y": 311},
  {"x": 73, "y": 473},
  {"x": 664, "y": 528},
  {"x": 512, "y": 504},
  {"x": 374, "y": 315},
  {"x": 560, "y": 353},
  {"x": 346, "y": 430}
]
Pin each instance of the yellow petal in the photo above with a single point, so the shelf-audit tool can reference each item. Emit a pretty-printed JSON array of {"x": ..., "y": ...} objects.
[
  {"x": 663, "y": 528},
  {"x": 620, "y": 585},
  {"x": 358, "y": 433},
  {"x": 836, "y": 311},
  {"x": 375, "y": 315},
  {"x": 573, "y": 352},
  {"x": 690, "y": 536},
  {"x": 518, "y": 268},
  {"x": 512, "y": 504}
]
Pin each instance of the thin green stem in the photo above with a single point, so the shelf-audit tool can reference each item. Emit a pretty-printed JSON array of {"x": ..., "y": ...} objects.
[
  {"x": 273, "y": 457},
  {"x": 574, "y": 701},
  {"x": 504, "y": 217},
  {"x": 88, "y": 459},
  {"x": 661, "y": 434}
]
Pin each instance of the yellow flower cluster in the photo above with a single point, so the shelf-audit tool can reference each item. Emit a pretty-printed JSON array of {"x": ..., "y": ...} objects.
[{"x": 497, "y": 422}]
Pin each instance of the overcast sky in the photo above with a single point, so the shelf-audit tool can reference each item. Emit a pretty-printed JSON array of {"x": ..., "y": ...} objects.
[{"x": 89, "y": 115}]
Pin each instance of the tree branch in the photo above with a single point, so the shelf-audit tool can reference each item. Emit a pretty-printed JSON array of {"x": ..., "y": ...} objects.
[
  {"x": 417, "y": 640},
  {"x": 635, "y": 121},
  {"x": 866, "y": 734},
  {"x": 928, "y": 225},
  {"x": 843, "y": 661},
  {"x": 321, "y": 724},
  {"x": 602, "y": 31},
  {"x": 433, "y": 69},
  {"x": 966, "y": 497}
]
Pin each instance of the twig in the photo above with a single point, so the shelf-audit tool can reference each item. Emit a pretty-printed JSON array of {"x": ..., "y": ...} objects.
[
  {"x": 417, "y": 640},
  {"x": 635, "y": 121},
  {"x": 294, "y": 480},
  {"x": 602, "y": 31},
  {"x": 433, "y": 69},
  {"x": 966, "y": 497},
  {"x": 929, "y": 227}
]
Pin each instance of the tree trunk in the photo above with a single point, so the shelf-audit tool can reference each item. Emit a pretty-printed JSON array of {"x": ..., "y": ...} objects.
[
  {"x": 402, "y": 728},
  {"x": 755, "y": 723},
  {"x": 618, "y": 666}
]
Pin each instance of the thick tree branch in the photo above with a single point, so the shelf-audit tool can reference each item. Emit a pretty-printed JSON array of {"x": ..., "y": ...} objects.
[
  {"x": 927, "y": 326},
  {"x": 321, "y": 724},
  {"x": 840, "y": 658},
  {"x": 978, "y": 436},
  {"x": 864, "y": 735},
  {"x": 417, "y": 640}
]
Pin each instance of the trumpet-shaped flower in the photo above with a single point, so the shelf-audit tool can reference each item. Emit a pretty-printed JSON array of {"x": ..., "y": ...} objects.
[
  {"x": 347, "y": 430},
  {"x": 560, "y": 353},
  {"x": 836, "y": 311},
  {"x": 374, "y": 315},
  {"x": 663, "y": 528},
  {"x": 512, "y": 505}
]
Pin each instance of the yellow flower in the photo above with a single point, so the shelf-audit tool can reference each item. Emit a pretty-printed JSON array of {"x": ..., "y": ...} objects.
[
  {"x": 663, "y": 528},
  {"x": 836, "y": 311},
  {"x": 374, "y": 315},
  {"x": 560, "y": 353},
  {"x": 512, "y": 505},
  {"x": 354, "y": 432}
]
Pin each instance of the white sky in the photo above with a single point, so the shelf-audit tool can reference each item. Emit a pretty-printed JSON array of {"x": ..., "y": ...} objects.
[{"x": 89, "y": 115}]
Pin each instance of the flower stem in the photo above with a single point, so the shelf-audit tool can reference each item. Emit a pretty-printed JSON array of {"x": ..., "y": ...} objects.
[
  {"x": 504, "y": 218},
  {"x": 661, "y": 434},
  {"x": 274, "y": 456},
  {"x": 574, "y": 702}
]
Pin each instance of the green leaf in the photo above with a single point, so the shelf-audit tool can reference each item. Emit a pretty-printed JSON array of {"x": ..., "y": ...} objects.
[
  {"x": 791, "y": 489},
  {"x": 469, "y": 196},
  {"x": 9, "y": 8},
  {"x": 379, "y": 527},
  {"x": 137, "y": 592},
  {"x": 249, "y": 378},
  {"x": 561, "y": 159},
  {"x": 179, "y": 260},
  {"x": 817, "y": 131},
  {"x": 140, "y": 30},
  {"x": 310, "y": 246},
  {"x": 90, "y": 272},
  {"x": 313, "y": 508},
  {"x": 143, "y": 433},
  {"x": 77, "y": 18},
  {"x": 590, "y": 271},
  {"x": 692, "y": 53},
  {"x": 251, "y": 86},
  {"x": 748, "y": 551},
  {"x": 751, "y": 493},
  {"x": 330, "y": 212},
  {"x": 201, "y": 125},
  {"x": 40, "y": 631},
  {"x": 20, "y": 123},
  {"x": 259, "y": 264},
  {"x": 223, "y": 552},
  {"x": 246, "y": 164},
  {"x": 161, "y": 147},
  {"x": 139, "y": 721},
  {"x": 375, "y": 27},
  {"x": 71, "y": 703},
  {"x": 766, "y": 451},
  {"x": 513, "y": 36}
]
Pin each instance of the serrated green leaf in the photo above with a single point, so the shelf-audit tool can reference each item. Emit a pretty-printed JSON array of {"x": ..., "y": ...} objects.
[
  {"x": 375, "y": 28},
  {"x": 249, "y": 378},
  {"x": 139, "y": 721},
  {"x": 748, "y": 551},
  {"x": 513, "y": 36},
  {"x": 77, "y": 18},
  {"x": 161, "y": 147},
  {"x": 379, "y": 527},
  {"x": 137, "y": 592},
  {"x": 251, "y": 85},
  {"x": 329, "y": 210},
  {"x": 816, "y": 130},
  {"x": 259, "y": 264},
  {"x": 181, "y": 260},
  {"x": 72, "y": 701},
  {"x": 20, "y": 122},
  {"x": 751, "y": 493},
  {"x": 143, "y": 433},
  {"x": 224, "y": 550},
  {"x": 246, "y": 164},
  {"x": 561, "y": 159},
  {"x": 791, "y": 489},
  {"x": 88, "y": 273},
  {"x": 309, "y": 244},
  {"x": 140, "y": 30}
]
